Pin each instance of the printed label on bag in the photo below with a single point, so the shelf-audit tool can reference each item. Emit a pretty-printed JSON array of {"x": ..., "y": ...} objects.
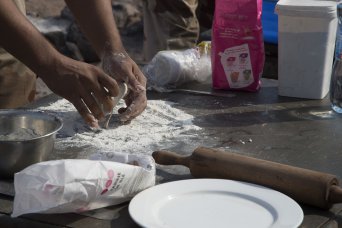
[{"x": 236, "y": 62}]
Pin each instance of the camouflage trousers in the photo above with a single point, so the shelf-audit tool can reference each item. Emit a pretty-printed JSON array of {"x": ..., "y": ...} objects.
[
  {"x": 174, "y": 24},
  {"x": 17, "y": 82}
]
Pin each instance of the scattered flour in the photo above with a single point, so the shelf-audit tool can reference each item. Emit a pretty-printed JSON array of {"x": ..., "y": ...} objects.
[{"x": 156, "y": 128}]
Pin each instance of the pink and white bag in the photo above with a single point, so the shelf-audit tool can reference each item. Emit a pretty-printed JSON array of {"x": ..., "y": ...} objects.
[{"x": 237, "y": 45}]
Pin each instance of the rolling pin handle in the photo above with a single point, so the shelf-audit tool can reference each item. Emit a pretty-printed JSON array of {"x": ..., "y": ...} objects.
[
  {"x": 164, "y": 157},
  {"x": 335, "y": 194}
]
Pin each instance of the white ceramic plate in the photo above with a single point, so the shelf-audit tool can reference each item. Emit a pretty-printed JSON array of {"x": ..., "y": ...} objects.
[{"x": 214, "y": 203}]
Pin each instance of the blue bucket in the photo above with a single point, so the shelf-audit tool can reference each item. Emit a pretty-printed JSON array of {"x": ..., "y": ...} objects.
[{"x": 269, "y": 21}]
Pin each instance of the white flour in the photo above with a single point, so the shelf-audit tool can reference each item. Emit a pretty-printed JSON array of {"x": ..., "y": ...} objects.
[{"x": 156, "y": 128}]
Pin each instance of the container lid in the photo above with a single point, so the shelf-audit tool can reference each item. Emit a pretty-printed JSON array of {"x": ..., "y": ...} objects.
[{"x": 307, "y": 8}]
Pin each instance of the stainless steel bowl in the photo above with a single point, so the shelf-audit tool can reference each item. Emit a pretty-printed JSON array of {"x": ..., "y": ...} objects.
[{"x": 19, "y": 150}]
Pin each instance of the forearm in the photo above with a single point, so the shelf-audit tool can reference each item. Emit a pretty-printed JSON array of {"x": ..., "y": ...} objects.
[
  {"x": 23, "y": 40},
  {"x": 97, "y": 22}
]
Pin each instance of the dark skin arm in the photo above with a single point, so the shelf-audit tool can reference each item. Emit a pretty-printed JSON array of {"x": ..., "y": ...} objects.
[
  {"x": 78, "y": 82},
  {"x": 97, "y": 22}
]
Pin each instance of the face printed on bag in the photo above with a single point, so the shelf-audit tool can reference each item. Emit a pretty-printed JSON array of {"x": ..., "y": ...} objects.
[
  {"x": 243, "y": 58},
  {"x": 231, "y": 61}
]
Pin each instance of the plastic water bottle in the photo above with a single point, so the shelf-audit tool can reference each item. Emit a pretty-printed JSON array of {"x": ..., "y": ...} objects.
[{"x": 336, "y": 76}]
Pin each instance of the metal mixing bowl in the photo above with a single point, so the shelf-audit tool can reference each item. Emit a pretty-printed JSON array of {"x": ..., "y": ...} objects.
[{"x": 19, "y": 150}]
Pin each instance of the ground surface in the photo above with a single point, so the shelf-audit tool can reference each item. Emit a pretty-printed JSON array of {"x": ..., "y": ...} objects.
[{"x": 43, "y": 8}]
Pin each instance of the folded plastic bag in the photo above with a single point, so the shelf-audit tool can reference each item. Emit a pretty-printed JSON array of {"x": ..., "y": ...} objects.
[
  {"x": 172, "y": 68},
  {"x": 77, "y": 185}
]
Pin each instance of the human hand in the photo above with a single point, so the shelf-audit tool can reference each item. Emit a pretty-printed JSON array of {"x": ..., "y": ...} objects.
[
  {"x": 122, "y": 68},
  {"x": 86, "y": 86}
]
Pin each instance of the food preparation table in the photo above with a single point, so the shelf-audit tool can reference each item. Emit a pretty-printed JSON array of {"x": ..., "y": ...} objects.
[{"x": 298, "y": 132}]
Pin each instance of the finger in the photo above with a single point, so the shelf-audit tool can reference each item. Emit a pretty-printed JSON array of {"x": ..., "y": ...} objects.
[
  {"x": 140, "y": 76},
  {"x": 128, "y": 100},
  {"x": 84, "y": 112},
  {"x": 90, "y": 102},
  {"x": 108, "y": 104},
  {"x": 134, "y": 109},
  {"x": 122, "y": 110},
  {"x": 130, "y": 113},
  {"x": 133, "y": 83},
  {"x": 126, "y": 122},
  {"x": 101, "y": 96},
  {"x": 109, "y": 84}
]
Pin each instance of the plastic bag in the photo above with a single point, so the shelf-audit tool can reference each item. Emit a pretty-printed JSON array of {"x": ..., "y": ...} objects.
[
  {"x": 77, "y": 185},
  {"x": 173, "y": 68},
  {"x": 237, "y": 45}
]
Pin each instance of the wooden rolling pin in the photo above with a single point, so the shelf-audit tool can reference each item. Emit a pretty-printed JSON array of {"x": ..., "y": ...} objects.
[{"x": 303, "y": 185}]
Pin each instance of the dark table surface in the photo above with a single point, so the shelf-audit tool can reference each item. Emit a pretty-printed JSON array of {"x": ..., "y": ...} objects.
[{"x": 299, "y": 132}]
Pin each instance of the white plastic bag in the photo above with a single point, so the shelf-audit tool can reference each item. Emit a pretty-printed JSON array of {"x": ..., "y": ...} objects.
[
  {"x": 77, "y": 185},
  {"x": 173, "y": 68}
]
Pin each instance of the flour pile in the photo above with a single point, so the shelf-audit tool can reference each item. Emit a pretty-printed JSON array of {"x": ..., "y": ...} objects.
[{"x": 156, "y": 128}]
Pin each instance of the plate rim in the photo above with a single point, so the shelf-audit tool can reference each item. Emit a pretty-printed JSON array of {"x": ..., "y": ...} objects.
[{"x": 139, "y": 198}]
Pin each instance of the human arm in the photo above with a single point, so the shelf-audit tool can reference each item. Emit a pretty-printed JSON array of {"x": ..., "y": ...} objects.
[
  {"x": 97, "y": 22},
  {"x": 78, "y": 82}
]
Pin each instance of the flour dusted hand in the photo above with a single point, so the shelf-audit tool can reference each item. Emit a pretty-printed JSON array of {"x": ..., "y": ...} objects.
[
  {"x": 123, "y": 69},
  {"x": 77, "y": 185}
]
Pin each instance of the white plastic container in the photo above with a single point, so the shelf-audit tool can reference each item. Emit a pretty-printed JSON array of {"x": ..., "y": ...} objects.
[{"x": 306, "y": 43}]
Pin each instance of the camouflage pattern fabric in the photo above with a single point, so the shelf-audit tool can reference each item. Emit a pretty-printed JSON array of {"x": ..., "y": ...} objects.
[
  {"x": 174, "y": 24},
  {"x": 17, "y": 82}
]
